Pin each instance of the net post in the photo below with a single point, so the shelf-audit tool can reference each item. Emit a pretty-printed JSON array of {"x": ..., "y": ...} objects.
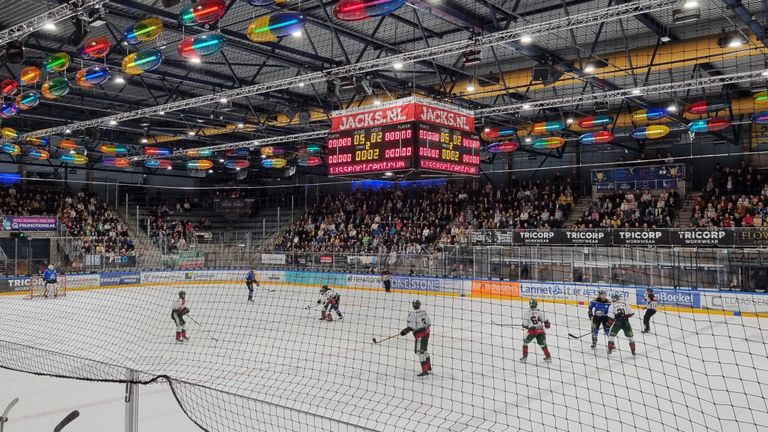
[{"x": 131, "y": 402}]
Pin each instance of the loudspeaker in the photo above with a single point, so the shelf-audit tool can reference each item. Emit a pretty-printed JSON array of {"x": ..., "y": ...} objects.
[
  {"x": 542, "y": 73},
  {"x": 14, "y": 52}
]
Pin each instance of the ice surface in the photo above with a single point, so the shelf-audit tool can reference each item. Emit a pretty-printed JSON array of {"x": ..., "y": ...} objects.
[{"x": 695, "y": 372}]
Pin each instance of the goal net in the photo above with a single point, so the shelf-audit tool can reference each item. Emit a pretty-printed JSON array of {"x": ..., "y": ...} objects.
[
  {"x": 38, "y": 288},
  {"x": 286, "y": 362}
]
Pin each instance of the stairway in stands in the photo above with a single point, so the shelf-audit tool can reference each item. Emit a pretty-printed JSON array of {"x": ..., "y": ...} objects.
[{"x": 683, "y": 219}]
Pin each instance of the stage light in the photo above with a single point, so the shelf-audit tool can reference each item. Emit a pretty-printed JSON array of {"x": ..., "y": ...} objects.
[{"x": 526, "y": 40}]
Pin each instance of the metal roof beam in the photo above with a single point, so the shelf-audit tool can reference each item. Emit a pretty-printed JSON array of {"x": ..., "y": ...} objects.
[
  {"x": 55, "y": 15},
  {"x": 746, "y": 17}
]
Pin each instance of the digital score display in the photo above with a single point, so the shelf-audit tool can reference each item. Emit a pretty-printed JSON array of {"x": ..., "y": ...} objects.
[
  {"x": 371, "y": 150},
  {"x": 447, "y": 150},
  {"x": 402, "y": 147}
]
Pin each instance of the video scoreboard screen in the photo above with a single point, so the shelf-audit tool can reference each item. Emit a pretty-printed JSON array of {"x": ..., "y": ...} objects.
[
  {"x": 447, "y": 150},
  {"x": 371, "y": 150}
]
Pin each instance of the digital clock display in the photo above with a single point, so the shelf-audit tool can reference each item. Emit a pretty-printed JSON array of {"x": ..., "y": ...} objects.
[
  {"x": 447, "y": 150},
  {"x": 371, "y": 150}
]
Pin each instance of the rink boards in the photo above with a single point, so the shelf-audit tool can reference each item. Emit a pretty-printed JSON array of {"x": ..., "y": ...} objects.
[{"x": 669, "y": 299}]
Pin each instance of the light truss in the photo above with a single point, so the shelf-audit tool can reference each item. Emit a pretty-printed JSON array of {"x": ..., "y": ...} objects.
[
  {"x": 249, "y": 144},
  {"x": 54, "y": 15},
  {"x": 625, "y": 93},
  {"x": 530, "y": 106},
  {"x": 566, "y": 23}
]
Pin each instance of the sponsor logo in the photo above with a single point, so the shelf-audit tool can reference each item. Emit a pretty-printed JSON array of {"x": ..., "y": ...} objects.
[
  {"x": 683, "y": 298},
  {"x": 535, "y": 235},
  {"x": 568, "y": 291},
  {"x": 737, "y": 302},
  {"x": 709, "y": 237},
  {"x": 119, "y": 279},
  {"x": 160, "y": 277},
  {"x": 495, "y": 288},
  {"x": 416, "y": 284},
  {"x": 272, "y": 258},
  {"x": 444, "y": 118},
  {"x": 363, "y": 280}
]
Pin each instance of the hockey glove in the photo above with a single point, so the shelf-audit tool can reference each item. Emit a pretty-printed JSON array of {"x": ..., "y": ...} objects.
[
  {"x": 619, "y": 316},
  {"x": 590, "y": 315},
  {"x": 319, "y": 301},
  {"x": 405, "y": 331},
  {"x": 547, "y": 324},
  {"x": 610, "y": 322}
]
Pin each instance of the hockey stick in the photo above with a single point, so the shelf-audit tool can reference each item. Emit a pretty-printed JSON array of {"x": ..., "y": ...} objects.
[
  {"x": 385, "y": 339},
  {"x": 312, "y": 306},
  {"x": 501, "y": 324},
  {"x": 203, "y": 329},
  {"x": 67, "y": 420},
  {"x": 4, "y": 417},
  {"x": 579, "y": 337}
]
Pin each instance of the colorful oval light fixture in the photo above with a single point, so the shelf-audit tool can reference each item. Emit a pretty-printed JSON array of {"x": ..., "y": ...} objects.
[
  {"x": 90, "y": 77},
  {"x": 93, "y": 48},
  {"x": 113, "y": 149},
  {"x": 143, "y": 31},
  {"x": 29, "y": 75},
  {"x": 706, "y": 107},
  {"x": 157, "y": 151},
  {"x": 498, "y": 132},
  {"x": 266, "y": 151},
  {"x": 542, "y": 128},
  {"x": 39, "y": 154},
  {"x": 272, "y": 27},
  {"x": 116, "y": 162},
  {"x": 650, "y": 132},
  {"x": 67, "y": 144},
  {"x": 9, "y": 88},
  {"x": 274, "y": 163},
  {"x": 310, "y": 161},
  {"x": 28, "y": 100},
  {"x": 58, "y": 62},
  {"x": 199, "y": 164},
  {"x": 143, "y": 61},
  {"x": 601, "y": 137},
  {"x": 196, "y": 153},
  {"x": 314, "y": 148},
  {"x": 356, "y": 10},
  {"x": 503, "y": 147},
  {"x": 74, "y": 159},
  {"x": 11, "y": 149},
  {"x": 8, "y": 110},
  {"x": 760, "y": 97},
  {"x": 548, "y": 143},
  {"x": 708, "y": 125},
  {"x": 201, "y": 45},
  {"x": 37, "y": 141},
  {"x": 203, "y": 12},
  {"x": 158, "y": 164},
  {"x": 55, "y": 88},
  {"x": 650, "y": 114},
  {"x": 237, "y": 164},
  {"x": 595, "y": 121},
  {"x": 760, "y": 118},
  {"x": 10, "y": 134}
]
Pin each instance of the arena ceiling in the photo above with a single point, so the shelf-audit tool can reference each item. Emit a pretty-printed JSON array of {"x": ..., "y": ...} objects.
[{"x": 592, "y": 59}]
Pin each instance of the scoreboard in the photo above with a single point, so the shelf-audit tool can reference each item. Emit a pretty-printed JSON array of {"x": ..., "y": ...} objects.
[
  {"x": 448, "y": 150},
  {"x": 371, "y": 150},
  {"x": 403, "y": 146}
]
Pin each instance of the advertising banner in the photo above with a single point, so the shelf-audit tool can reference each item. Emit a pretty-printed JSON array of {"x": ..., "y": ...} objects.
[
  {"x": 672, "y": 297},
  {"x": 735, "y": 302},
  {"x": 273, "y": 259},
  {"x": 647, "y": 237},
  {"x": 573, "y": 291},
  {"x": 122, "y": 261},
  {"x": 270, "y": 276},
  {"x": 365, "y": 281},
  {"x": 161, "y": 277},
  {"x": 404, "y": 111},
  {"x": 326, "y": 259},
  {"x": 562, "y": 237},
  {"x": 410, "y": 283},
  {"x": 15, "y": 284},
  {"x": 120, "y": 278},
  {"x": 703, "y": 237},
  {"x": 313, "y": 278},
  {"x": 486, "y": 288},
  {"x": 29, "y": 223}
]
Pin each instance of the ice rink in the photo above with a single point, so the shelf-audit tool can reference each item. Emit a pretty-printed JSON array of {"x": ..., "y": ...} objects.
[{"x": 275, "y": 366}]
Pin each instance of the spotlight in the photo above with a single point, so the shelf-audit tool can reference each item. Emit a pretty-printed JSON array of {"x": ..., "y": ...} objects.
[
  {"x": 14, "y": 52},
  {"x": 119, "y": 80},
  {"x": 376, "y": 102},
  {"x": 471, "y": 88},
  {"x": 569, "y": 120},
  {"x": 297, "y": 34},
  {"x": 527, "y": 139},
  {"x": 144, "y": 140},
  {"x": 50, "y": 26},
  {"x": 112, "y": 123},
  {"x": 301, "y": 84},
  {"x": 223, "y": 100},
  {"x": 589, "y": 68},
  {"x": 672, "y": 108},
  {"x": 526, "y": 40},
  {"x": 195, "y": 60},
  {"x": 691, "y": 4},
  {"x": 68, "y": 131},
  {"x": 636, "y": 91},
  {"x": 191, "y": 133},
  {"x": 240, "y": 125},
  {"x": 397, "y": 65},
  {"x": 161, "y": 113},
  {"x": 764, "y": 73},
  {"x": 472, "y": 57},
  {"x": 526, "y": 106}
]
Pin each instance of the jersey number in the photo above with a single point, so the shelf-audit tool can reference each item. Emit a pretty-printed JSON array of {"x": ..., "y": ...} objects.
[{"x": 534, "y": 320}]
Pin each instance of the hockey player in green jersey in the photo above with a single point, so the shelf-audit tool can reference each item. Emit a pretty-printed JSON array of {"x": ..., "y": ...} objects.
[
  {"x": 618, "y": 315},
  {"x": 534, "y": 321}
]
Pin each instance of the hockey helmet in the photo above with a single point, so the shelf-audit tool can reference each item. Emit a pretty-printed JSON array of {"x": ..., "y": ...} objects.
[
  {"x": 182, "y": 294},
  {"x": 601, "y": 294},
  {"x": 650, "y": 290},
  {"x": 615, "y": 297},
  {"x": 533, "y": 303},
  {"x": 416, "y": 304},
  {"x": 324, "y": 288}
]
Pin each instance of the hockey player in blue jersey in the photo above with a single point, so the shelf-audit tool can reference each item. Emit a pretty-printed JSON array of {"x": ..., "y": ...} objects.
[
  {"x": 250, "y": 279},
  {"x": 598, "y": 313},
  {"x": 50, "y": 277}
]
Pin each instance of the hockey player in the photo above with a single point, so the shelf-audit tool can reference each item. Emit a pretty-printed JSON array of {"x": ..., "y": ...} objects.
[
  {"x": 420, "y": 324},
  {"x": 330, "y": 300},
  {"x": 535, "y": 322},
  {"x": 619, "y": 314},
  {"x": 50, "y": 277},
  {"x": 650, "y": 309},
  {"x": 386, "y": 279},
  {"x": 180, "y": 308},
  {"x": 250, "y": 279},
  {"x": 598, "y": 313}
]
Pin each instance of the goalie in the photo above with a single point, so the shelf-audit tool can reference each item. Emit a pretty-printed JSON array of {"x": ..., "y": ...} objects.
[
  {"x": 180, "y": 308},
  {"x": 50, "y": 279}
]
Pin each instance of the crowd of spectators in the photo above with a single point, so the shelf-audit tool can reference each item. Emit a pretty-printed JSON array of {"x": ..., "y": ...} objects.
[
  {"x": 732, "y": 197},
  {"x": 631, "y": 209},
  {"x": 172, "y": 232},
  {"x": 95, "y": 227}
]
